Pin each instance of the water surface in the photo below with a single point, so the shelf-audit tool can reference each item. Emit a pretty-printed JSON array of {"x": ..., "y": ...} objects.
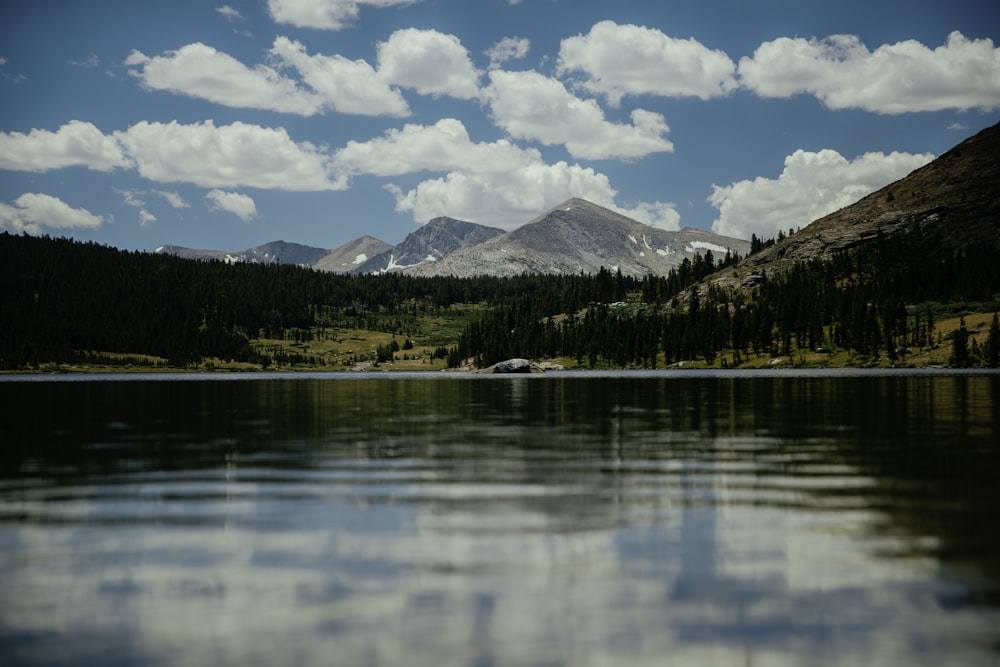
[{"x": 567, "y": 519}]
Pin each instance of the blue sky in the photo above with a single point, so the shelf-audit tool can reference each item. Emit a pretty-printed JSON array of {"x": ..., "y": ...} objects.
[{"x": 229, "y": 124}]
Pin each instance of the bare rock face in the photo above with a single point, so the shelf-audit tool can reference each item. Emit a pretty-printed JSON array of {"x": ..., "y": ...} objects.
[{"x": 513, "y": 366}]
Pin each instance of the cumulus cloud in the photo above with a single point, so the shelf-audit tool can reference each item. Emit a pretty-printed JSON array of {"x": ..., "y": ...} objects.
[
  {"x": 619, "y": 60},
  {"x": 428, "y": 61},
  {"x": 327, "y": 82},
  {"x": 348, "y": 86},
  {"x": 810, "y": 186},
  {"x": 75, "y": 144},
  {"x": 240, "y": 205},
  {"x": 895, "y": 78},
  {"x": 36, "y": 214},
  {"x": 657, "y": 214},
  {"x": 505, "y": 200},
  {"x": 201, "y": 71},
  {"x": 508, "y": 48},
  {"x": 496, "y": 183},
  {"x": 444, "y": 146},
  {"x": 529, "y": 105},
  {"x": 323, "y": 14},
  {"x": 236, "y": 155}
]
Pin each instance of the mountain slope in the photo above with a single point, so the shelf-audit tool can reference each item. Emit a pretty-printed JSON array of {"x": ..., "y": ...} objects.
[
  {"x": 579, "y": 236},
  {"x": 429, "y": 243},
  {"x": 351, "y": 255},
  {"x": 952, "y": 203},
  {"x": 955, "y": 198}
]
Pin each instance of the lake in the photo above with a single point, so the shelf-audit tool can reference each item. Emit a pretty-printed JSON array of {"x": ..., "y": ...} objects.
[{"x": 647, "y": 518}]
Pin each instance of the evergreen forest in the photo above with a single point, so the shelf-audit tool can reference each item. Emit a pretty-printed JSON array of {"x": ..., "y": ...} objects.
[{"x": 67, "y": 302}]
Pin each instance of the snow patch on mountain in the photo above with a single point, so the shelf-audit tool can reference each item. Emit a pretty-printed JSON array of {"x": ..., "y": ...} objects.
[{"x": 695, "y": 246}]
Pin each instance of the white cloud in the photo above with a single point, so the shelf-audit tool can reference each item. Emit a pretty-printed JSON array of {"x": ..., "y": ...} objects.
[
  {"x": 348, "y": 86},
  {"x": 810, "y": 186},
  {"x": 240, "y": 205},
  {"x": 236, "y": 155},
  {"x": 657, "y": 214},
  {"x": 74, "y": 144},
  {"x": 503, "y": 199},
  {"x": 508, "y": 48},
  {"x": 428, "y": 61},
  {"x": 200, "y": 71},
  {"x": 35, "y": 214},
  {"x": 444, "y": 146},
  {"x": 621, "y": 60},
  {"x": 146, "y": 218},
  {"x": 173, "y": 198},
  {"x": 230, "y": 14},
  {"x": 529, "y": 105},
  {"x": 327, "y": 82},
  {"x": 494, "y": 183},
  {"x": 895, "y": 78},
  {"x": 323, "y": 14},
  {"x": 132, "y": 198}
]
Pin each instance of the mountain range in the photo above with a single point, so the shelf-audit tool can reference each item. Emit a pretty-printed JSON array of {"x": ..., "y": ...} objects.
[
  {"x": 952, "y": 199},
  {"x": 576, "y": 236}
]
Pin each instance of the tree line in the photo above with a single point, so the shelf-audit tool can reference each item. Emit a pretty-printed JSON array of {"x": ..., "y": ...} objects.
[
  {"x": 65, "y": 301},
  {"x": 857, "y": 301}
]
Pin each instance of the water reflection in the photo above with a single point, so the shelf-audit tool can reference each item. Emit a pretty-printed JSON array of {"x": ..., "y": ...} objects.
[{"x": 577, "y": 520}]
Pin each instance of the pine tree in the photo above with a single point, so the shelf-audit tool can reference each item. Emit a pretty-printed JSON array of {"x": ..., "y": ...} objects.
[
  {"x": 960, "y": 346},
  {"x": 991, "y": 356}
]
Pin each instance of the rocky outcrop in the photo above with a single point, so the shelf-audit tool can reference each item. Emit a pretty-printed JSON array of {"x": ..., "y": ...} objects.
[{"x": 516, "y": 365}]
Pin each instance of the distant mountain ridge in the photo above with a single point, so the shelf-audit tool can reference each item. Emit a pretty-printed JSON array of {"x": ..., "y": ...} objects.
[
  {"x": 575, "y": 236},
  {"x": 580, "y": 236},
  {"x": 430, "y": 243},
  {"x": 342, "y": 259}
]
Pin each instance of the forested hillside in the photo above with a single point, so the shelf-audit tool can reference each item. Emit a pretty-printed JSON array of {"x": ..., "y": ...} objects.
[
  {"x": 62, "y": 301},
  {"x": 878, "y": 302},
  {"x": 68, "y": 302}
]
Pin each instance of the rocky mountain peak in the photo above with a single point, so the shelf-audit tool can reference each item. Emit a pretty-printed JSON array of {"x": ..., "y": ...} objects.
[
  {"x": 430, "y": 243},
  {"x": 580, "y": 236}
]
